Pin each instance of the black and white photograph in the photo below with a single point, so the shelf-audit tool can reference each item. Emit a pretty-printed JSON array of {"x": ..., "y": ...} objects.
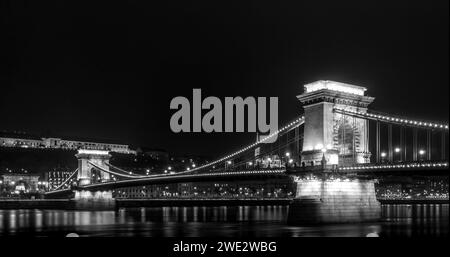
[{"x": 246, "y": 121}]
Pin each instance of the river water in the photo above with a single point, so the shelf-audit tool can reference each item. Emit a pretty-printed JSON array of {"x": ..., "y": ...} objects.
[{"x": 399, "y": 220}]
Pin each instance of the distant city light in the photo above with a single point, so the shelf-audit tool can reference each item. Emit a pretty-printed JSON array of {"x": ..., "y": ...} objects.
[
  {"x": 288, "y": 154},
  {"x": 397, "y": 150},
  {"x": 421, "y": 152},
  {"x": 383, "y": 154}
]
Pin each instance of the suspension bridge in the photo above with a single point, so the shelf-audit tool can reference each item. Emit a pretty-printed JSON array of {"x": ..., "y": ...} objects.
[{"x": 333, "y": 153}]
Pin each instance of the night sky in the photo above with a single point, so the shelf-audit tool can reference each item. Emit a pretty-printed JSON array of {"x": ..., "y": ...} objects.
[{"x": 109, "y": 70}]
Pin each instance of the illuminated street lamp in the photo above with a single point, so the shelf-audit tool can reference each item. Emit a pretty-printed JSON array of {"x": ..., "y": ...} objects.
[
  {"x": 227, "y": 164},
  {"x": 397, "y": 150},
  {"x": 383, "y": 155},
  {"x": 421, "y": 153},
  {"x": 269, "y": 161},
  {"x": 287, "y": 158}
]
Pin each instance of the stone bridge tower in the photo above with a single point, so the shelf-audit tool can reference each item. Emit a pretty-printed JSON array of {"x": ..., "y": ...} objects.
[
  {"x": 330, "y": 136},
  {"x": 322, "y": 196},
  {"x": 86, "y": 170},
  {"x": 92, "y": 199}
]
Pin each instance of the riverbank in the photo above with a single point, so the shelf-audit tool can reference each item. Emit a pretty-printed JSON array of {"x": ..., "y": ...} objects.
[
  {"x": 64, "y": 204},
  {"x": 34, "y": 204},
  {"x": 198, "y": 202},
  {"x": 414, "y": 201},
  {"x": 67, "y": 204}
]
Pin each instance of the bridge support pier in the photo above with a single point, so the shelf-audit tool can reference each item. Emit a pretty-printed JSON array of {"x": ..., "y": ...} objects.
[
  {"x": 93, "y": 200},
  {"x": 87, "y": 199},
  {"x": 325, "y": 200}
]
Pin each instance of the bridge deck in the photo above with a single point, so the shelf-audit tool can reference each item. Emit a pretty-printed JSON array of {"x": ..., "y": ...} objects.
[{"x": 374, "y": 170}]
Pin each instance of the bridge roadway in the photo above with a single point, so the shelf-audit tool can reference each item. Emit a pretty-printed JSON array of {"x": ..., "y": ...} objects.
[
  {"x": 363, "y": 170},
  {"x": 175, "y": 178},
  {"x": 378, "y": 170}
]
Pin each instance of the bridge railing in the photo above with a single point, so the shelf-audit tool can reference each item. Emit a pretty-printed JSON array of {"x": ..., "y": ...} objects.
[
  {"x": 368, "y": 166},
  {"x": 404, "y": 165}
]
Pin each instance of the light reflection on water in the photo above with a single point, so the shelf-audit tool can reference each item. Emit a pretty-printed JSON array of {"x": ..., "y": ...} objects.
[{"x": 252, "y": 221}]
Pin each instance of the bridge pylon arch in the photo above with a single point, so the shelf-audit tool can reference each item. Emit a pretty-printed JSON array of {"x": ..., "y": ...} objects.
[
  {"x": 329, "y": 136},
  {"x": 85, "y": 158},
  {"x": 332, "y": 138},
  {"x": 87, "y": 199}
]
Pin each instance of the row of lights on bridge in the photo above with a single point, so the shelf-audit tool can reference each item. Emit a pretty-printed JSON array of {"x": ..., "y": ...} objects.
[
  {"x": 293, "y": 123},
  {"x": 396, "y": 166},
  {"x": 168, "y": 170},
  {"x": 240, "y": 173},
  {"x": 278, "y": 171},
  {"x": 394, "y": 119}
]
